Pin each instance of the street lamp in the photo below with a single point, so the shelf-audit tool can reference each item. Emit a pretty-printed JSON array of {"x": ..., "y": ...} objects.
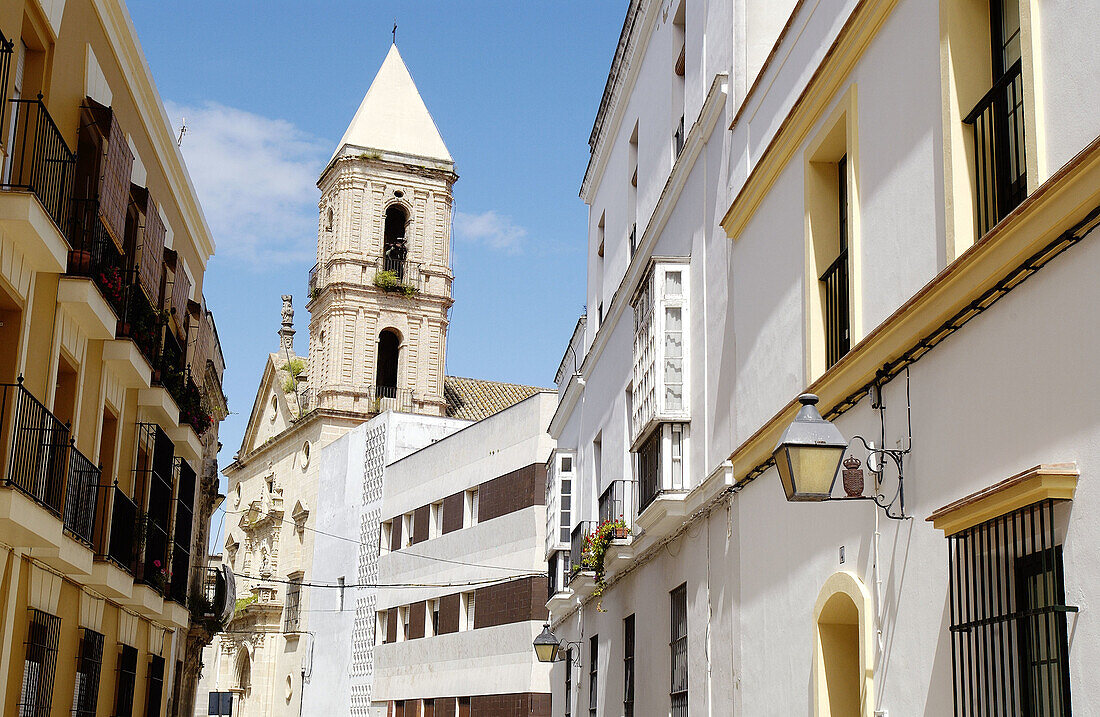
[
  {"x": 548, "y": 648},
  {"x": 808, "y": 454}
]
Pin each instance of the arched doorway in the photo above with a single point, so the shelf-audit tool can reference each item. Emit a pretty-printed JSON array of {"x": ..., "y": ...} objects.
[
  {"x": 243, "y": 678},
  {"x": 395, "y": 248},
  {"x": 385, "y": 378},
  {"x": 843, "y": 649}
]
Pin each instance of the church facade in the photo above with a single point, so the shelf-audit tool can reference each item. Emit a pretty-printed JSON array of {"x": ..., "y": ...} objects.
[{"x": 305, "y": 489}]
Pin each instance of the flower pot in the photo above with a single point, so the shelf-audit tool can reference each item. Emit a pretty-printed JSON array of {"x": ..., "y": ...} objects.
[
  {"x": 619, "y": 533},
  {"x": 123, "y": 328}
]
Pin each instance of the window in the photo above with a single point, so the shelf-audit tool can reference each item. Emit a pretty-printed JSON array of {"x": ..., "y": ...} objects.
[
  {"x": 435, "y": 520},
  {"x": 660, "y": 379},
  {"x": 293, "y": 599},
  {"x": 463, "y": 707},
  {"x": 434, "y": 622},
  {"x": 1008, "y": 615},
  {"x": 88, "y": 665},
  {"x": 832, "y": 251},
  {"x": 154, "y": 690},
  {"x": 470, "y": 507},
  {"x": 403, "y": 622},
  {"x": 834, "y": 281},
  {"x": 429, "y": 708},
  {"x": 384, "y": 537},
  {"x": 380, "y": 627},
  {"x": 340, "y": 583},
  {"x": 385, "y": 375},
  {"x": 678, "y": 690},
  {"x": 628, "y": 666},
  {"x": 661, "y": 463},
  {"x": 39, "y": 664},
  {"x": 998, "y": 121},
  {"x": 466, "y": 619},
  {"x": 220, "y": 704},
  {"x": 406, "y": 530},
  {"x": 569, "y": 682},
  {"x": 679, "y": 71},
  {"x": 126, "y": 677},
  {"x": 593, "y": 676}
]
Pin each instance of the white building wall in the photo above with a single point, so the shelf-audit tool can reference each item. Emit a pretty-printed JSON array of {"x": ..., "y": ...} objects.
[{"x": 1008, "y": 392}]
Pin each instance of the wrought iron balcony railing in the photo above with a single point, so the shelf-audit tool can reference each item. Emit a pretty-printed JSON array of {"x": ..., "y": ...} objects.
[
  {"x": 576, "y": 545},
  {"x": 1000, "y": 166},
  {"x": 391, "y": 398},
  {"x": 81, "y": 496},
  {"x": 7, "y": 52},
  {"x": 835, "y": 284},
  {"x": 398, "y": 276},
  {"x": 39, "y": 447},
  {"x": 40, "y": 160},
  {"x": 219, "y": 596},
  {"x": 557, "y": 572},
  {"x": 126, "y": 519},
  {"x": 95, "y": 255},
  {"x": 314, "y": 287},
  {"x": 617, "y": 502}
]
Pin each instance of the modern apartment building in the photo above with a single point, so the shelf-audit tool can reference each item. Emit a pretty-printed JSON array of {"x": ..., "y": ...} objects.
[
  {"x": 110, "y": 377},
  {"x": 461, "y": 588},
  {"x": 890, "y": 204}
]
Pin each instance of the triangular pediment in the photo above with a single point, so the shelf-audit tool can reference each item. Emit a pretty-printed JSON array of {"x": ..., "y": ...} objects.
[
  {"x": 272, "y": 411},
  {"x": 393, "y": 116}
]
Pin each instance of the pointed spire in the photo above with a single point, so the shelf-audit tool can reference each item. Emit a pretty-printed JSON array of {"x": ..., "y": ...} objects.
[{"x": 393, "y": 117}]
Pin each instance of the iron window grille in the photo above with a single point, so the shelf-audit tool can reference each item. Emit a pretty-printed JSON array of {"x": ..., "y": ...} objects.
[
  {"x": 1009, "y": 643},
  {"x": 126, "y": 681},
  {"x": 593, "y": 674},
  {"x": 293, "y": 601},
  {"x": 649, "y": 470},
  {"x": 155, "y": 689},
  {"x": 678, "y": 691},
  {"x": 39, "y": 664},
  {"x": 628, "y": 666},
  {"x": 569, "y": 682},
  {"x": 835, "y": 279},
  {"x": 89, "y": 664}
]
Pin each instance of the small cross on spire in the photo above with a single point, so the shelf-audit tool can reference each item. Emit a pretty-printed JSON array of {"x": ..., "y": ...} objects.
[{"x": 395, "y": 31}]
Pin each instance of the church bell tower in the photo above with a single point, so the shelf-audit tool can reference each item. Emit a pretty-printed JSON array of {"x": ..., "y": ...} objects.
[{"x": 381, "y": 290}]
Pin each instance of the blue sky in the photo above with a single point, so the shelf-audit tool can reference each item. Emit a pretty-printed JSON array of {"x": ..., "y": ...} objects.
[{"x": 267, "y": 89}]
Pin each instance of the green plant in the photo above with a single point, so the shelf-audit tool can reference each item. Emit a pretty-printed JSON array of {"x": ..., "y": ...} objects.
[
  {"x": 290, "y": 385},
  {"x": 244, "y": 602},
  {"x": 314, "y": 293},
  {"x": 595, "y": 548},
  {"x": 387, "y": 280},
  {"x": 294, "y": 367},
  {"x": 369, "y": 155}
]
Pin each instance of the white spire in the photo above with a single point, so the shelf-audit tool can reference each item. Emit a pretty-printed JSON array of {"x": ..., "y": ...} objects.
[{"x": 392, "y": 116}]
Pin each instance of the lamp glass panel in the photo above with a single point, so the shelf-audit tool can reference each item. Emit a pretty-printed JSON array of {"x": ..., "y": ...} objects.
[
  {"x": 783, "y": 465},
  {"x": 546, "y": 652},
  {"x": 813, "y": 469}
]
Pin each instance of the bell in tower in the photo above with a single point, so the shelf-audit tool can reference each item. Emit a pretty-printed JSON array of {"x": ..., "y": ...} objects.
[{"x": 381, "y": 290}]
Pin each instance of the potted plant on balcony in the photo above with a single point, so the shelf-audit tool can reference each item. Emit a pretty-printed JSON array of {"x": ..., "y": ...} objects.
[
  {"x": 595, "y": 548},
  {"x": 160, "y": 577},
  {"x": 80, "y": 261}
]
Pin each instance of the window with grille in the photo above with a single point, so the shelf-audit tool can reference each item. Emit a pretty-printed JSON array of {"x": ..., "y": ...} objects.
[
  {"x": 293, "y": 601},
  {"x": 39, "y": 664},
  {"x": 155, "y": 689},
  {"x": 126, "y": 681},
  {"x": 569, "y": 682},
  {"x": 220, "y": 704},
  {"x": 89, "y": 662},
  {"x": 834, "y": 282},
  {"x": 678, "y": 691},
  {"x": 1008, "y": 616},
  {"x": 628, "y": 666},
  {"x": 593, "y": 676},
  {"x": 435, "y": 617}
]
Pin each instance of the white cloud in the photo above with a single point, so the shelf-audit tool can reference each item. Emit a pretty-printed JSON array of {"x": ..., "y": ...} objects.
[
  {"x": 256, "y": 178},
  {"x": 490, "y": 229}
]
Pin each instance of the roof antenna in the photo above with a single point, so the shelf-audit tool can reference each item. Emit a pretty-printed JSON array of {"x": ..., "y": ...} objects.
[
  {"x": 183, "y": 131},
  {"x": 395, "y": 31}
]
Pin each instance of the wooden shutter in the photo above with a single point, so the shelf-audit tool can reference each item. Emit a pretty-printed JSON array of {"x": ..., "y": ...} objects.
[
  {"x": 203, "y": 344},
  {"x": 152, "y": 252},
  {"x": 114, "y": 182},
  {"x": 181, "y": 287}
]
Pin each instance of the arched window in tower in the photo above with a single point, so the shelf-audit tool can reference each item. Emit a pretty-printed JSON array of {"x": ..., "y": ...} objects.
[
  {"x": 385, "y": 380},
  {"x": 328, "y": 220},
  {"x": 394, "y": 245}
]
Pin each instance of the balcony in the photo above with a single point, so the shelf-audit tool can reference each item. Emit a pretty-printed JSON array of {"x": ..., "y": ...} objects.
[
  {"x": 314, "y": 285},
  {"x": 576, "y": 546},
  {"x": 39, "y": 448},
  {"x": 125, "y": 529},
  {"x": 82, "y": 497},
  {"x": 391, "y": 398},
  {"x": 95, "y": 255},
  {"x": 394, "y": 276},
  {"x": 154, "y": 474},
  {"x": 214, "y": 608},
  {"x": 182, "y": 526},
  {"x": 140, "y": 322},
  {"x": 40, "y": 161},
  {"x": 999, "y": 149}
]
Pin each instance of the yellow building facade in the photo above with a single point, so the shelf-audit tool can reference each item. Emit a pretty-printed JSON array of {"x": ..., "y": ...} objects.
[{"x": 110, "y": 377}]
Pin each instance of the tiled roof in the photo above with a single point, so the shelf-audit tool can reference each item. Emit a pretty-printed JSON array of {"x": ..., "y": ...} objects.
[{"x": 474, "y": 399}]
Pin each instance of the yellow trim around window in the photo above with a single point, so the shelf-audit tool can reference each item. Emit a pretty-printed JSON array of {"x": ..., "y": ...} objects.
[
  {"x": 1049, "y": 481},
  {"x": 843, "y": 641}
]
